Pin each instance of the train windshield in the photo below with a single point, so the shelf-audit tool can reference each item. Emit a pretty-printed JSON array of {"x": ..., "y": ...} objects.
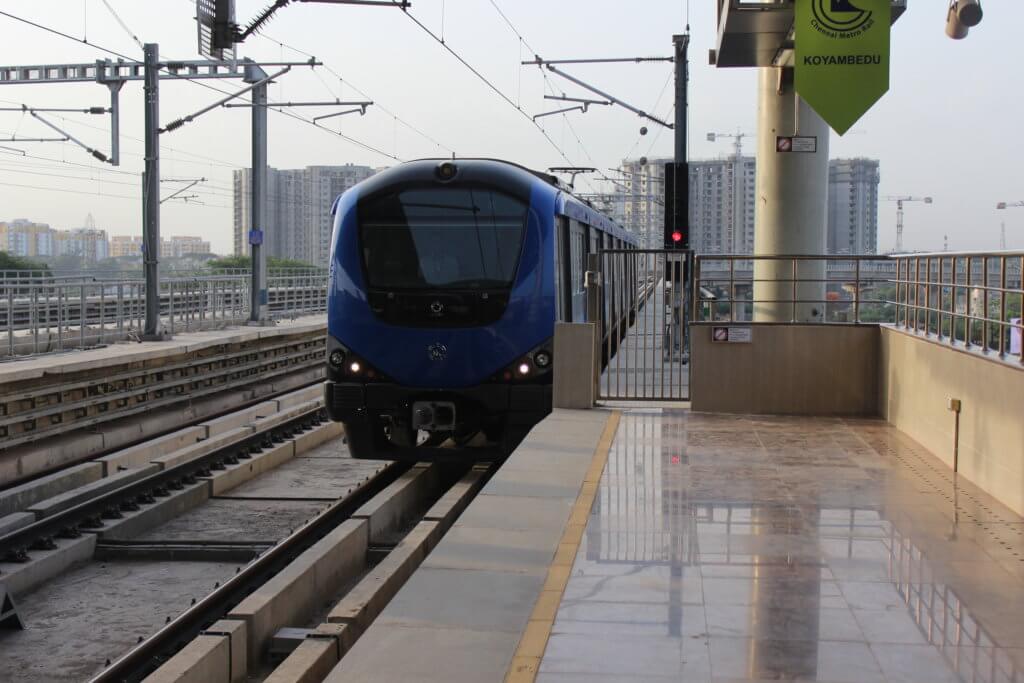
[{"x": 441, "y": 238}]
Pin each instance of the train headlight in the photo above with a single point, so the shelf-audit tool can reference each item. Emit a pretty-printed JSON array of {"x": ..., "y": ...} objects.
[
  {"x": 524, "y": 369},
  {"x": 542, "y": 359},
  {"x": 337, "y": 358},
  {"x": 354, "y": 367}
]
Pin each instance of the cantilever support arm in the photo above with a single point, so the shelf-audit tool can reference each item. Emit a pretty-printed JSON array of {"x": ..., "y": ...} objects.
[
  {"x": 614, "y": 100},
  {"x": 359, "y": 107},
  {"x": 582, "y": 108},
  {"x": 95, "y": 152},
  {"x": 178, "y": 123},
  {"x": 187, "y": 187}
]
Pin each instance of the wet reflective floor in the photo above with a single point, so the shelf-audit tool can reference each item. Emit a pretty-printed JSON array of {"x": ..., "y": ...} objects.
[{"x": 734, "y": 548}]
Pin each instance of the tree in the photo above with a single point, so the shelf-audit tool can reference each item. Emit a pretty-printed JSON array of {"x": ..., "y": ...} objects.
[
  {"x": 245, "y": 262},
  {"x": 10, "y": 262}
]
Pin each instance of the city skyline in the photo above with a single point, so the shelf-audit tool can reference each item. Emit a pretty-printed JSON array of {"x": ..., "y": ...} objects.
[{"x": 934, "y": 131}]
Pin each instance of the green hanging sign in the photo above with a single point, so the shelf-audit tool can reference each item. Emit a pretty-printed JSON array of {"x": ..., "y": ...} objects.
[{"x": 842, "y": 57}]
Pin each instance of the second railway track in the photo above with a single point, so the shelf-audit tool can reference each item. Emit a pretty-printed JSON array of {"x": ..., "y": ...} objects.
[{"x": 122, "y": 581}]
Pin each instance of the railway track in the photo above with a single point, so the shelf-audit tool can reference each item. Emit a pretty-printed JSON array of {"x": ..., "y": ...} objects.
[{"x": 151, "y": 546}]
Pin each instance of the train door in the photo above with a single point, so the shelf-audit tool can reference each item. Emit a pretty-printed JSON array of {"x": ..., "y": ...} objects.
[
  {"x": 578, "y": 266},
  {"x": 563, "y": 300}
]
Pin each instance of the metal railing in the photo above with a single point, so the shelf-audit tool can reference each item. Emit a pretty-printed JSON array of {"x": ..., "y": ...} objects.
[
  {"x": 40, "y": 313},
  {"x": 970, "y": 300},
  {"x": 817, "y": 289}
]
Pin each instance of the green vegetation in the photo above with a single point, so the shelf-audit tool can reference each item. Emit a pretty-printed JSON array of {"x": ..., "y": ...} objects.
[
  {"x": 9, "y": 262},
  {"x": 245, "y": 262}
]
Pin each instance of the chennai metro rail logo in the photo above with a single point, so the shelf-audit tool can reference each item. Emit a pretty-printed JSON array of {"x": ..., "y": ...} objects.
[{"x": 840, "y": 18}]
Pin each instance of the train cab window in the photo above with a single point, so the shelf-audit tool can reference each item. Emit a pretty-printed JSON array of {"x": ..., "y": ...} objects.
[{"x": 441, "y": 238}]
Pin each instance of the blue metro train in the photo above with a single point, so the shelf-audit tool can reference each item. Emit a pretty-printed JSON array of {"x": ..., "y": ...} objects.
[{"x": 446, "y": 280}]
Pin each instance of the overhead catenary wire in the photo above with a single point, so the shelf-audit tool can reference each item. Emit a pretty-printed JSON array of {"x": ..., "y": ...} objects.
[
  {"x": 486, "y": 81},
  {"x": 555, "y": 91},
  {"x": 123, "y": 25},
  {"x": 116, "y": 53},
  {"x": 349, "y": 83}
]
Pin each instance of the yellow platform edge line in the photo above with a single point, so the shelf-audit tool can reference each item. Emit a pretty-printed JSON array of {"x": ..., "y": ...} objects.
[{"x": 526, "y": 660}]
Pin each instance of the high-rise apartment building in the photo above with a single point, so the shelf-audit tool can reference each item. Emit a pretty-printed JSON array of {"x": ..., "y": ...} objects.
[
  {"x": 639, "y": 200},
  {"x": 125, "y": 245},
  {"x": 853, "y": 206},
  {"x": 299, "y": 203},
  {"x": 88, "y": 244},
  {"x": 722, "y": 206},
  {"x": 721, "y": 203},
  {"x": 22, "y": 237},
  {"x": 178, "y": 246}
]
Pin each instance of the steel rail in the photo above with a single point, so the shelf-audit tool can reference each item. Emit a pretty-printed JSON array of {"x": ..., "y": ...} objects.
[{"x": 152, "y": 652}]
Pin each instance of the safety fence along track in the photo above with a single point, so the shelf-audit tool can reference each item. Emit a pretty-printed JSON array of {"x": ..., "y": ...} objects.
[{"x": 40, "y": 313}]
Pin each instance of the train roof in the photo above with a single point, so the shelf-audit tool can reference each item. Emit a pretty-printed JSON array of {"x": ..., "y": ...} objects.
[{"x": 516, "y": 177}]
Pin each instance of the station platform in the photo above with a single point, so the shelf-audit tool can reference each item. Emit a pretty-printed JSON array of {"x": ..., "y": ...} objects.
[{"x": 659, "y": 544}]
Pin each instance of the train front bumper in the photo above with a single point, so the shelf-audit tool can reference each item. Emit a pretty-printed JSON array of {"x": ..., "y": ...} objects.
[{"x": 518, "y": 403}]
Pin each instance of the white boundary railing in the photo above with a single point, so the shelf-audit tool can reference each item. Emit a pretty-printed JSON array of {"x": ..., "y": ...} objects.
[{"x": 45, "y": 314}]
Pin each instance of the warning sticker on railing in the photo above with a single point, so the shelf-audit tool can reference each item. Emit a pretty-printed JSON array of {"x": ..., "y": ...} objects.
[{"x": 735, "y": 335}]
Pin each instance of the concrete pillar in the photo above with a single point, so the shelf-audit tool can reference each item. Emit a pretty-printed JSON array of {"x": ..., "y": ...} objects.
[{"x": 791, "y": 216}]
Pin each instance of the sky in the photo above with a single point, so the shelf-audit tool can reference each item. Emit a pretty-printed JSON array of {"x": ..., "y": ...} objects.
[{"x": 948, "y": 128}]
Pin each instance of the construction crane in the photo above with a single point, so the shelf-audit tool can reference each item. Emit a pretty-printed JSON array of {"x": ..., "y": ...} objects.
[
  {"x": 737, "y": 140},
  {"x": 1002, "y": 225},
  {"x": 899, "y": 215}
]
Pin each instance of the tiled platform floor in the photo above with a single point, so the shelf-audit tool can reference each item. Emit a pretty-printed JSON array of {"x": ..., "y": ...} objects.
[{"x": 733, "y": 548}]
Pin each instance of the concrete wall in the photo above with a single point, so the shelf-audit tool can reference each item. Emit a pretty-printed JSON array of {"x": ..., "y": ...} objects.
[
  {"x": 787, "y": 370},
  {"x": 917, "y": 376}
]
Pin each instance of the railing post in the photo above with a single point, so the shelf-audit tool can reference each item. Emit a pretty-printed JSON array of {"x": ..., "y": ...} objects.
[
  {"x": 102, "y": 332},
  {"x": 984, "y": 304},
  {"x": 967, "y": 297},
  {"x": 34, "y": 319},
  {"x": 942, "y": 295},
  {"x": 60, "y": 317},
  {"x": 856, "y": 292},
  {"x": 732, "y": 290},
  {"x": 794, "y": 269},
  {"x": 1002, "y": 307},
  {"x": 928, "y": 295},
  {"x": 82, "y": 314},
  {"x": 10, "y": 320}
]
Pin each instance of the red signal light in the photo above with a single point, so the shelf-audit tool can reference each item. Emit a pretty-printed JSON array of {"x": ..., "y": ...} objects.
[{"x": 677, "y": 236}]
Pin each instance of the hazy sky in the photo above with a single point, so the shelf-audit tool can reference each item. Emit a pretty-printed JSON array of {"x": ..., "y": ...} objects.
[{"x": 950, "y": 127}]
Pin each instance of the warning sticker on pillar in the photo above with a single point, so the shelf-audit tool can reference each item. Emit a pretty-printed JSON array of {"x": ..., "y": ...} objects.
[{"x": 842, "y": 57}]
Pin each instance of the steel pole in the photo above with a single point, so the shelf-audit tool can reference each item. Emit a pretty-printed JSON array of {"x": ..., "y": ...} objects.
[
  {"x": 151, "y": 194},
  {"x": 680, "y": 296},
  {"x": 258, "y": 308},
  {"x": 681, "y": 44}
]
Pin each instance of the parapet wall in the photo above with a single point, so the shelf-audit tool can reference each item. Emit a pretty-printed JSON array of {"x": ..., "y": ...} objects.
[
  {"x": 786, "y": 370},
  {"x": 917, "y": 378}
]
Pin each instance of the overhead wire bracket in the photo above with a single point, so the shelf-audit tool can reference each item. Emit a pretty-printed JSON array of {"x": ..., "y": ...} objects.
[
  {"x": 550, "y": 66},
  {"x": 70, "y": 138},
  {"x": 178, "y": 123}
]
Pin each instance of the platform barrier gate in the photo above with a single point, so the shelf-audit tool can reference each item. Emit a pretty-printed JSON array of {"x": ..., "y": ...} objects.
[{"x": 642, "y": 298}]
